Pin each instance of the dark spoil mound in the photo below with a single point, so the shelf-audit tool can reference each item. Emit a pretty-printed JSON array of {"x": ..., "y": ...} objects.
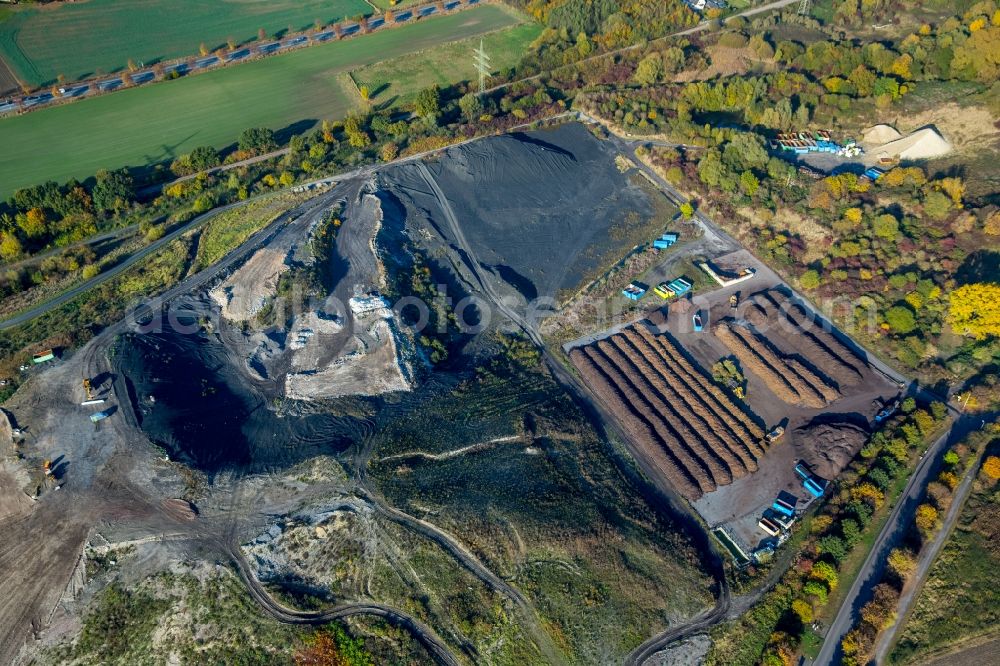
[{"x": 542, "y": 211}]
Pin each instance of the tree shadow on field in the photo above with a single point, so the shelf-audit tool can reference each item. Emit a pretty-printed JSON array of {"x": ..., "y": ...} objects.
[
  {"x": 283, "y": 135},
  {"x": 981, "y": 266}
]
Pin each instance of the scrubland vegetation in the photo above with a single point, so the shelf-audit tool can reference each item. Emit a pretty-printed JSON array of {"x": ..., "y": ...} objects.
[{"x": 198, "y": 619}]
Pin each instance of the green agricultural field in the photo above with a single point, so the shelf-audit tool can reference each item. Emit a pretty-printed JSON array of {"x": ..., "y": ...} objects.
[
  {"x": 78, "y": 40},
  {"x": 151, "y": 124},
  {"x": 399, "y": 4},
  {"x": 399, "y": 78}
]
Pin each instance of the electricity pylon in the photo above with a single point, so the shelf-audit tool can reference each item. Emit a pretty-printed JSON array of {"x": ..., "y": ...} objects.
[{"x": 482, "y": 64}]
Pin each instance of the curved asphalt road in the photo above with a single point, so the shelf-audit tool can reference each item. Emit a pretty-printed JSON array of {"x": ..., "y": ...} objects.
[{"x": 98, "y": 280}]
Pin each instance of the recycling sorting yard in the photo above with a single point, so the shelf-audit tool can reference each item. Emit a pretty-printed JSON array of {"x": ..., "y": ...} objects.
[{"x": 745, "y": 399}]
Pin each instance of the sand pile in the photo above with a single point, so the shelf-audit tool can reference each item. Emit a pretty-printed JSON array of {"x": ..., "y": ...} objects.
[
  {"x": 179, "y": 509},
  {"x": 879, "y": 134},
  {"x": 244, "y": 293},
  {"x": 828, "y": 447},
  {"x": 883, "y": 141}
]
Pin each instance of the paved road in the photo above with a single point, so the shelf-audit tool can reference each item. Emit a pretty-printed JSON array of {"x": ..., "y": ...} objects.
[
  {"x": 87, "y": 285},
  {"x": 365, "y": 171},
  {"x": 92, "y": 240},
  {"x": 894, "y": 530},
  {"x": 926, "y": 560}
]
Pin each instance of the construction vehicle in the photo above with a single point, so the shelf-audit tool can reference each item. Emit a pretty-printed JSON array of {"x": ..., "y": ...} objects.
[
  {"x": 697, "y": 322},
  {"x": 738, "y": 392},
  {"x": 775, "y": 434},
  {"x": 86, "y": 388},
  {"x": 888, "y": 411},
  {"x": 47, "y": 467},
  {"x": 734, "y": 301}
]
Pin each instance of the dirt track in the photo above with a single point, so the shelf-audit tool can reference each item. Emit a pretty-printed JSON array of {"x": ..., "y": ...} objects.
[{"x": 689, "y": 427}]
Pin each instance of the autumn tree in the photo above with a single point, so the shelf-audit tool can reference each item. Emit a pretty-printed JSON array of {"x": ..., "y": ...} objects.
[
  {"x": 901, "y": 562},
  {"x": 261, "y": 34},
  {"x": 926, "y": 518},
  {"x": 203, "y": 49},
  {"x": 974, "y": 310},
  {"x": 10, "y": 247},
  {"x": 825, "y": 573},
  {"x": 991, "y": 468},
  {"x": 804, "y": 610}
]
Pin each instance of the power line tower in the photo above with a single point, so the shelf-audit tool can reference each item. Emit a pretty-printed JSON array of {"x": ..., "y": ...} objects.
[
  {"x": 804, "y": 8},
  {"x": 482, "y": 64}
]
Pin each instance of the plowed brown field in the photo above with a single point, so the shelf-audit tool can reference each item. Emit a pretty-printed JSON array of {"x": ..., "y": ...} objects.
[{"x": 686, "y": 425}]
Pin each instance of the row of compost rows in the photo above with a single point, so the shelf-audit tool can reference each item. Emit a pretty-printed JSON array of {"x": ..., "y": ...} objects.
[
  {"x": 635, "y": 425},
  {"x": 687, "y": 425},
  {"x": 788, "y": 378},
  {"x": 718, "y": 425},
  {"x": 819, "y": 345}
]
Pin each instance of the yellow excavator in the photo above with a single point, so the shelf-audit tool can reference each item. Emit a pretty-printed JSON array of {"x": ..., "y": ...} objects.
[{"x": 86, "y": 388}]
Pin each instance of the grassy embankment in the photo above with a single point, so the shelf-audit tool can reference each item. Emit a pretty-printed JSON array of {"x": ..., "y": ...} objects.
[
  {"x": 152, "y": 124},
  {"x": 399, "y": 79},
  {"x": 545, "y": 507},
  {"x": 81, "y": 39}
]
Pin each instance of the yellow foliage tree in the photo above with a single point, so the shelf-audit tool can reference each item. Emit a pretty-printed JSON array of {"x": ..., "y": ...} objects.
[
  {"x": 954, "y": 188},
  {"x": 901, "y": 562},
  {"x": 991, "y": 467},
  {"x": 868, "y": 493},
  {"x": 926, "y": 518},
  {"x": 803, "y": 609},
  {"x": 974, "y": 309},
  {"x": 10, "y": 247},
  {"x": 992, "y": 224}
]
